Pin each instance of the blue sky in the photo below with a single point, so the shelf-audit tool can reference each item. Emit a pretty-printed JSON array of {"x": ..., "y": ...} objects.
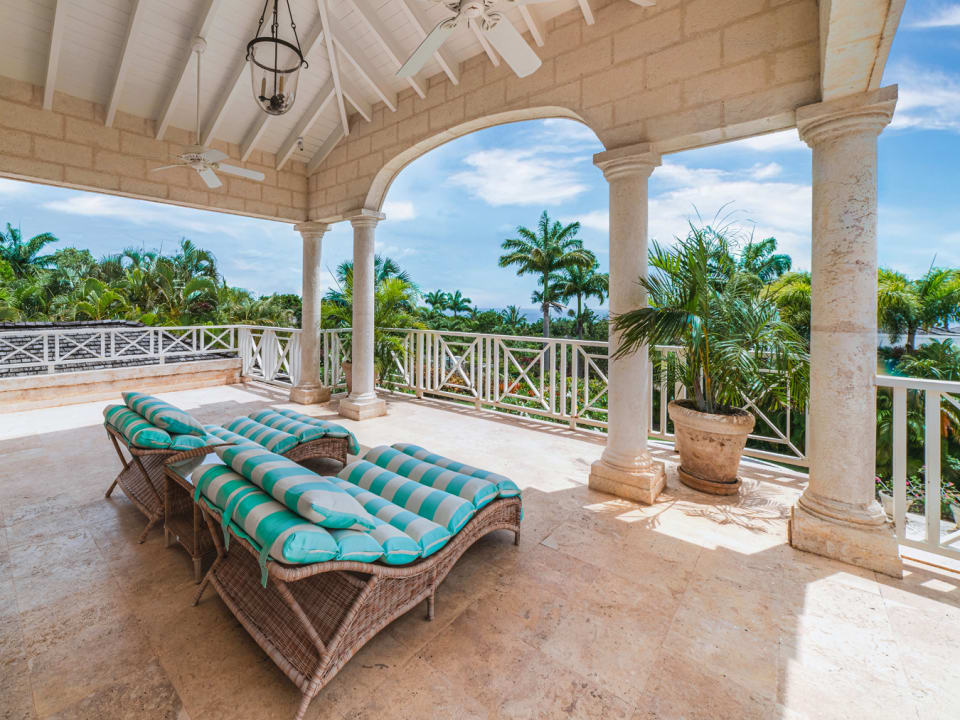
[{"x": 449, "y": 210}]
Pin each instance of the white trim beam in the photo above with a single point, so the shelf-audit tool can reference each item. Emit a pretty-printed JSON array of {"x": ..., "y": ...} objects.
[
  {"x": 236, "y": 76},
  {"x": 324, "y": 150},
  {"x": 385, "y": 37},
  {"x": 53, "y": 56},
  {"x": 330, "y": 44},
  {"x": 485, "y": 44},
  {"x": 533, "y": 25},
  {"x": 203, "y": 29},
  {"x": 421, "y": 27},
  {"x": 587, "y": 11},
  {"x": 359, "y": 61},
  {"x": 253, "y": 135},
  {"x": 129, "y": 41},
  {"x": 305, "y": 122},
  {"x": 358, "y": 103}
]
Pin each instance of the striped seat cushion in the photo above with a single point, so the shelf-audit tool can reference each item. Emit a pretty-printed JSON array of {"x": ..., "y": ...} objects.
[
  {"x": 446, "y": 510},
  {"x": 403, "y": 535},
  {"x": 505, "y": 486},
  {"x": 279, "y": 533},
  {"x": 162, "y": 414},
  {"x": 227, "y": 436},
  {"x": 273, "y": 440},
  {"x": 330, "y": 429},
  {"x": 135, "y": 429},
  {"x": 304, "y": 432},
  {"x": 311, "y": 496},
  {"x": 193, "y": 442},
  {"x": 477, "y": 491},
  {"x": 357, "y": 546}
]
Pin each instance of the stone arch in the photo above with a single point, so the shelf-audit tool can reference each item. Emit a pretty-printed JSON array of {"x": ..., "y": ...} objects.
[{"x": 377, "y": 192}]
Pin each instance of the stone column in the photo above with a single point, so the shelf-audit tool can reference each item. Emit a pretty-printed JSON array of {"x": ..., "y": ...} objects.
[
  {"x": 837, "y": 515},
  {"x": 310, "y": 387},
  {"x": 625, "y": 468},
  {"x": 363, "y": 402}
]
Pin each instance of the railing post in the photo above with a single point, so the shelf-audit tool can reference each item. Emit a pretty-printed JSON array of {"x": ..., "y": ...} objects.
[
  {"x": 931, "y": 449},
  {"x": 419, "y": 372},
  {"x": 245, "y": 346},
  {"x": 899, "y": 461}
]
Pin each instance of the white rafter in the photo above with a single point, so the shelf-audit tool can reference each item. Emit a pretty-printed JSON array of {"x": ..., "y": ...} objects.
[
  {"x": 253, "y": 135},
  {"x": 533, "y": 25},
  {"x": 383, "y": 35},
  {"x": 306, "y": 121},
  {"x": 485, "y": 44},
  {"x": 218, "y": 112},
  {"x": 136, "y": 19},
  {"x": 422, "y": 26},
  {"x": 321, "y": 154},
  {"x": 587, "y": 11},
  {"x": 330, "y": 45},
  {"x": 359, "y": 104},
  {"x": 202, "y": 30},
  {"x": 359, "y": 61},
  {"x": 53, "y": 56}
]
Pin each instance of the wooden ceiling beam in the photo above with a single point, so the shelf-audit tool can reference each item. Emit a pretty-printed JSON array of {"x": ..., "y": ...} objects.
[
  {"x": 126, "y": 58},
  {"x": 53, "y": 54}
]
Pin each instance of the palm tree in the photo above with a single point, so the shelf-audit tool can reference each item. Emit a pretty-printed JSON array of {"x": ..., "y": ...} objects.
[
  {"x": 906, "y": 306},
  {"x": 383, "y": 268},
  {"x": 513, "y": 318},
  {"x": 437, "y": 300},
  {"x": 24, "y": 255},
  {"x": 179, "y": 301},
  {"x": 583, "y": 283},
  {"x": 457, "y": 303},
  {"x": 791, "y": 293},
  {"x": 760, "y": 258},
  {"x": 554, "y": 247},
  {"x": 97, "y": 301}
]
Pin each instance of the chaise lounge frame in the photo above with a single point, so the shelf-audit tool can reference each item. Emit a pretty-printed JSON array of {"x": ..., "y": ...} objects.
[
  {"x": 311, "y": 619},
  {"x": 145, "y": 483}
]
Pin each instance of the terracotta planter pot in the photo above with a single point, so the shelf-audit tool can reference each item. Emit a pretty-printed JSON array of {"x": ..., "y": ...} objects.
[
  {"x": 710, "y": 447},
  {"x": 348, "y": 375}
]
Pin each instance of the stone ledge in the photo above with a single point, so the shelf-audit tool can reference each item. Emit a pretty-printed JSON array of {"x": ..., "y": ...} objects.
[
  {"x": 362, "y": 410},
  {"x": 37, "y": 391},
  {"x": 643, "y": 486}
]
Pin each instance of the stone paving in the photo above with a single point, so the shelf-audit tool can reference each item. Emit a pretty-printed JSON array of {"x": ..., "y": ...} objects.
[{"x": 693, "y": 608}]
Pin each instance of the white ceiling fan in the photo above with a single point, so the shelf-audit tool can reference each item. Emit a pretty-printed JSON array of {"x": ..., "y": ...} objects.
[
  {"x": 501, "y": 33},
  {"x": 203, "y": 159}
]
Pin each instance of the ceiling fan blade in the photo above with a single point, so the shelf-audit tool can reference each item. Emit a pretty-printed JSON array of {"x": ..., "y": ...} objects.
[
  {"x": 513, "y": 48},
  {"x": 431, "y": 43},
  {"x": 167, "y": 167},
  {"x": 240, "y": 172},
  {"x": 213, "y": 156},
  {"x": 209, "y": 177}
]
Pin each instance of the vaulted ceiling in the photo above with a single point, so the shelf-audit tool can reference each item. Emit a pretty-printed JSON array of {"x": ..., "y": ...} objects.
[{"x": 135, "y": 56}]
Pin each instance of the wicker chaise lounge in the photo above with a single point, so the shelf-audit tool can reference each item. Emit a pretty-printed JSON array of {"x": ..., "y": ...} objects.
[{"x": 311, "y": 619}]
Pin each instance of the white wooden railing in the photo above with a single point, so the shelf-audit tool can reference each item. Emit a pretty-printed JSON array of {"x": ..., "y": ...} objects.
[
  {"x": 272, "y": 355},
  {"x": 77, "y": 348},
  {"x": 936, "y": 400}
]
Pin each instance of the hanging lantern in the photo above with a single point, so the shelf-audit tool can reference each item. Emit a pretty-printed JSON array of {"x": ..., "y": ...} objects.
[{"x": 275, "y": 64}]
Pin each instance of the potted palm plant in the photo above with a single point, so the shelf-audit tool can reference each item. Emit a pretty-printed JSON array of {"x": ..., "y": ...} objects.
[{"x": 733, "y": 348}]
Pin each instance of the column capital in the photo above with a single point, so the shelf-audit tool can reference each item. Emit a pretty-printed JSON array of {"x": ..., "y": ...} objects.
[
  {"x": 868, "y": 112},
  {"x": 311, "y": 229},
  {"x": 363, "y": 217},
  {"x": 639, "y": 159}
]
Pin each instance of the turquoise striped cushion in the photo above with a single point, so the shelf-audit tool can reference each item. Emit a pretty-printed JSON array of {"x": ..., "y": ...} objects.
[
  {"x": 273, "y": 440},
  {"x": 330, "y": 429},
  {"x": 135, "y": 430},
  {"x": 193, "y": 442},
  {"x": 162, "y": 414},
  {"x": 279, "y": 533},
  {"x": 505, "y": 486},
  {"x": 403, "y": 535},
  {"x": 304, "y": 432},
  {"x": 226, "y": 436},
  {"x": 313, "y": 497},
  {"x": 357, "y": 546},
  {"x": 475, "y": 490},
  {"x": 448, "y": 511}
]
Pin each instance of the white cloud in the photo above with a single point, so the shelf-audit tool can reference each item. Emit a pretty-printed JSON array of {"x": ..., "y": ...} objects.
[
  {"x": 394, "y": 251},
  {"x": 948, "y": 16},
  {"x": 773, "y": 142},
  {"x": 399, "y": 210},
  {"x": 595, "y": 220},
  {"x": 750, "y": 199},
  {"x": 518, "y": 177},
  {"x": 12, "y": 187},
  {"x": 764, "y": 172},
  {"x": 928, "y": 99}
]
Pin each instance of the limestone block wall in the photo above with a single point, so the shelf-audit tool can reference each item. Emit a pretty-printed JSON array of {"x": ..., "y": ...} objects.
[
  {"x": 70, "y": 146},
  {"x": 681, "y": 74}
]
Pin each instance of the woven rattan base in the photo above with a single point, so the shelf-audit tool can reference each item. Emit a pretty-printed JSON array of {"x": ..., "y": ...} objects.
[{"x": 311, "y": 619}]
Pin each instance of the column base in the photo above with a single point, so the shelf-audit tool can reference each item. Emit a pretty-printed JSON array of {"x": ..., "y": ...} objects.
[
  {"x": 873, "y": 547},
  {"x": 363, "y": 409},
  {"x": 639, "y": 485},
  {"x": 309, "y": 394}
]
